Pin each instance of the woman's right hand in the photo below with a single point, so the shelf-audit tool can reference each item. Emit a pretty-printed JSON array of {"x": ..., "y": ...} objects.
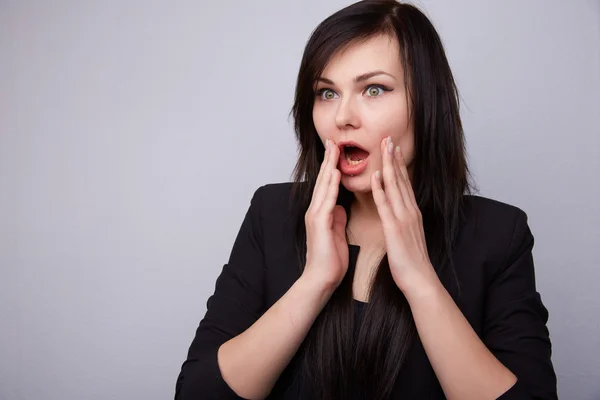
[{"x": 326, "y": 245}]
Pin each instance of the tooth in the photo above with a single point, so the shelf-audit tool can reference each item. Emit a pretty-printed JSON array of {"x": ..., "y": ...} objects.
[{"x": 353, "y": 162}]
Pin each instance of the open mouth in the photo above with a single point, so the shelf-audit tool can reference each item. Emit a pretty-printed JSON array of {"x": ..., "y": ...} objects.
[
  {"x": 353, "y": 160},
  {"x": 354, "y": 154}
]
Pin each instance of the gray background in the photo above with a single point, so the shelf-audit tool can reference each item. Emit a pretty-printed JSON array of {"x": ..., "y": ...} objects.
[{"x": 133, "y": 133}]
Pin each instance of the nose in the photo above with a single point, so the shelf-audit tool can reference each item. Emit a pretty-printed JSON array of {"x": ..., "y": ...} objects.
[{"x": 346, "y": 115}]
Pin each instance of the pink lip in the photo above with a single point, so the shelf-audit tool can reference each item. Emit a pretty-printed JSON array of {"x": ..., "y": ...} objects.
[{"x": 352, "y": 170}]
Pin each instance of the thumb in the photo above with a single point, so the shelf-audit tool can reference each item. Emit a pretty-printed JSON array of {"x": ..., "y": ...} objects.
[{"x": 339, "y": 220}]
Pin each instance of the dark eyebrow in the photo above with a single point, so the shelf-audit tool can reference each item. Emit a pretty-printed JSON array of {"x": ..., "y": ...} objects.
[{"x": 359, "y": 78}]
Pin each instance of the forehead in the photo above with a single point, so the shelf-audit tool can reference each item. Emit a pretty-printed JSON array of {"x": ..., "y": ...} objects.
[{"x": 377, "y": 53}]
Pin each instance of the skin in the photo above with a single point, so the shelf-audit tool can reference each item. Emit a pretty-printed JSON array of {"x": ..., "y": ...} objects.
[
  {"x": 463, "y": 364},
  {"x": 363, "y": 112}
]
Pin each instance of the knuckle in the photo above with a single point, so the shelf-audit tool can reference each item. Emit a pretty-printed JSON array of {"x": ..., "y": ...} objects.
[
  {"x": 404, "y": 215},
  {"x": 412, "y": 214},
  {"x": 418, "y": 212},
  {"x": 309, "y": 216}
]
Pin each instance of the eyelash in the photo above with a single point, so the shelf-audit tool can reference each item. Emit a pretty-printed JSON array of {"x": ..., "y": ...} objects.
[{"x": 320, "y": 92}]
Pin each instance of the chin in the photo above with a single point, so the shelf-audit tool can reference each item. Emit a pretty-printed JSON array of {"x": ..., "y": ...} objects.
[{"x": 358, "y": 184}]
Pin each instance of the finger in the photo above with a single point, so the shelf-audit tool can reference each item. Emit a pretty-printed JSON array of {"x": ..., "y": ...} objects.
[
  {"x": 383, "y": 207},
  {"x": 322, "y": 180},
  {"x": 397, "y": 164},
  {"x": 332, "y": 192},
  {"x": 335, "y": 175},
  {"x": 334, "y": 154},
  {"x": 401, "y": 165},
  {"x": 323, "y": 163},
  {"x": 402, "y": 184},
  {"x": 389, "y": 177},
  {"x": 330, "y": 165}
]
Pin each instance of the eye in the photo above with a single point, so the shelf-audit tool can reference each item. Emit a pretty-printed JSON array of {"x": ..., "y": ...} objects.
[
  {"x": 326, "y": 94},
  {"x": 376, "y": 90}
]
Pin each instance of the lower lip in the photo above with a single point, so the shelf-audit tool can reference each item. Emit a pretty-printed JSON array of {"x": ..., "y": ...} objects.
[{"x": 347, "y": 169}]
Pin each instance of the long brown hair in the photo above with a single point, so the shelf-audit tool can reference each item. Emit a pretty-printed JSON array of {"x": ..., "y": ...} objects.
[{"x": 340, "y": 365}]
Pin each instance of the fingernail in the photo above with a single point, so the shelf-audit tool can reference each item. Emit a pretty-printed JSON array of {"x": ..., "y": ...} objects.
[
  {"x": 391, "y": 147},
  {"x": 377, "y": 174},
  {"x": 327, "y": 143},
  {"x": 398, "y": 151}
]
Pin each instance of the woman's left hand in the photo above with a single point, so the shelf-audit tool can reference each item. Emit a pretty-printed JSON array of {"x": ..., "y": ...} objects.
[{"x": 401, "y": 221}]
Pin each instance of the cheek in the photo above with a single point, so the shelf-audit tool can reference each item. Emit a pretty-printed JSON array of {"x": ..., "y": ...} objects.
[
  {"x": 321, "y": 119},
  {"x": 387, "y": 118},
  {"x": 402, "y": 135}
]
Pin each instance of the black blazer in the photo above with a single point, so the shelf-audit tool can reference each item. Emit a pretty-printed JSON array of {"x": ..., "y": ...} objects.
[{"x": 493, "y": 261}]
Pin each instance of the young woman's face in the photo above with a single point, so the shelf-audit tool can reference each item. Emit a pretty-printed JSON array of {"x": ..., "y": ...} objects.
[{"x": 360, "y": 97}]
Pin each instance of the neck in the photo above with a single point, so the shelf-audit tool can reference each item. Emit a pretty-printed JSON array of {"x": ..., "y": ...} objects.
[
  {"x": 364, "y": 207},
  {"x": 364, "y": 226}
]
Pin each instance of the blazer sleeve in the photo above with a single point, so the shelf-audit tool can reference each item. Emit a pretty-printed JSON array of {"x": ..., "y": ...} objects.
[
  {"x": 237, "y": 302},
  {"x": 515, "y": 320}
]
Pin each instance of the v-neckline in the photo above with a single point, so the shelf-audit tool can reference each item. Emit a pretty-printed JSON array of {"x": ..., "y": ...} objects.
[{"x": 354, "y": 250}]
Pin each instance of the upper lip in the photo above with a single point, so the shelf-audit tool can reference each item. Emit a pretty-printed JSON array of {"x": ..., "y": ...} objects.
[{"x": 341, "y": 145}]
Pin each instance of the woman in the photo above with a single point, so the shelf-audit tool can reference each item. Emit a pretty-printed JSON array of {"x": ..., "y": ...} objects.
[{"x": 376, "y": 274}]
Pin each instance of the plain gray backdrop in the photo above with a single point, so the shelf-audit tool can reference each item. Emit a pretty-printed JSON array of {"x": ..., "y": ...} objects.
[{"x": 133, "y": 134}]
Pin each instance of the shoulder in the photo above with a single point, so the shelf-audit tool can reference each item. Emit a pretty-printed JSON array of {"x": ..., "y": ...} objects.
[
  {"x": 489, "y": 216},
  {"x": 273, "y": 201},
  {"x": 273, "y": 206},
  {"x": 273, "y": 195},
  {"x": 491, "y": 206},
  {"x": 494, "y": 232}
]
